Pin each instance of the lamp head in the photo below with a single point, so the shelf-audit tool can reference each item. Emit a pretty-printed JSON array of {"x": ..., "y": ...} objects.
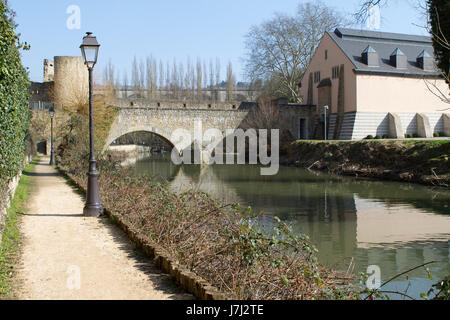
[
  {"x": 51, "y": 111},
  {"x": 89, "y": 49}
]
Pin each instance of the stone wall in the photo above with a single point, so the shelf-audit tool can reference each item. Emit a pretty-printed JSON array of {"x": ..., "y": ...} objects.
[
  {"x": 9, "y": 195},
  {"x": 292, "y": 113},
  {"x": 49, "y": 70}
]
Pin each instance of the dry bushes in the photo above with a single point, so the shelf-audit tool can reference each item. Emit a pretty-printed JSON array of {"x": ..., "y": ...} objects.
[{"x": 224, "y": 245}]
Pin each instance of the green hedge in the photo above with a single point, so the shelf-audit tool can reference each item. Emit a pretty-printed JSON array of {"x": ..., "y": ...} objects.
[{"x": 14, "y": 84}]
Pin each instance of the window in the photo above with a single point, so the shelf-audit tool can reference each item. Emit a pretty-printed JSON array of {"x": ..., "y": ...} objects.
[
  {"x": 316, "y": 76},
  {"x": 336, "y": 72},
  {"x": 326, "y": 54}
]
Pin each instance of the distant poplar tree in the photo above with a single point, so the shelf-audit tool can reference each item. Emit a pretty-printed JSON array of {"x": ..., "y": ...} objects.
[
  {"x": 199, "y": 79},
  {"x": 211, "y": 80},
  {"x": 230, "y": 83},
  {"x": 217, "y": 79}
]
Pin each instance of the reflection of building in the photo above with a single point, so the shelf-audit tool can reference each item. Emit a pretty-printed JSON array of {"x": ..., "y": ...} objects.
[
  {"x": 374, "y": 83},
  {"x": 379, "y": 224}
]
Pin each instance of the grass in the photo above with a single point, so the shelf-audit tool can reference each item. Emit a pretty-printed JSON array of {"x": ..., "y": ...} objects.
[
  {"x": 10, "y": 245},
  {"x": 405, "y": 141}
]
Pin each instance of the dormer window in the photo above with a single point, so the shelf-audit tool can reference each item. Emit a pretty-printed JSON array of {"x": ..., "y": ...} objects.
[
  {"x": 398, "y": 59},
  {"x": 370, "y": 57},
  {"x": 425, "y": 61}
]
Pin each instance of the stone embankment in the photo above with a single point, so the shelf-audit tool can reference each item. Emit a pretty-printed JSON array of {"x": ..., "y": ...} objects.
[{"x": 419, "y": 161}]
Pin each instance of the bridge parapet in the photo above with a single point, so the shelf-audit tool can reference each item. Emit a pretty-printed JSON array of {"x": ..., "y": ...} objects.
[{"x": 182, "y": 105}]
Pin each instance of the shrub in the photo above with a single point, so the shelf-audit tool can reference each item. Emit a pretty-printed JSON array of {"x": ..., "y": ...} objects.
[
  {"x": 442, "y": 134},
  {"x": 377, "y": 137},
  {"x": 415, "y": 135},
  {"x": 369, "y": 137},
  {"x": 436, "y": 135},
  {"x": 408, "y": 136},
  {"x": 14, "y": 112},
  {"x": 385, "y": 136}
]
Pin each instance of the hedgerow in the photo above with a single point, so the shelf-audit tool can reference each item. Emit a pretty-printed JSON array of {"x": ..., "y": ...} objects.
[{"x": 14, "y": 112}]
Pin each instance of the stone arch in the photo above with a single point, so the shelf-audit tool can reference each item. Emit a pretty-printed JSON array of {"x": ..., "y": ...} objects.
[{"x": 116, "y": 133}]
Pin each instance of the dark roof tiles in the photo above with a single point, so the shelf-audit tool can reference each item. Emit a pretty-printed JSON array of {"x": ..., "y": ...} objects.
[{"x": 354, "y": 42}]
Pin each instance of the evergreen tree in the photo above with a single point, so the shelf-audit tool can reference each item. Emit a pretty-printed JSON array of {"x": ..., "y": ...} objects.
[{"x": 439, "y": 18}]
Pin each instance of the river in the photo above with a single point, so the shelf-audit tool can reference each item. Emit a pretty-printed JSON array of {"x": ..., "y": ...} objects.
[{"x": 395, "y": 226}]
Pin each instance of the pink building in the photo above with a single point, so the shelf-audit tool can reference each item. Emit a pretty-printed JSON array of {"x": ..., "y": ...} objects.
[{"x": 376, "y": 83}]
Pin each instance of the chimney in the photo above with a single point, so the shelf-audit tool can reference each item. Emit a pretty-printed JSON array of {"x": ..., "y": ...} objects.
[
  {"x": 398, "y": 59},
  {"x": 425, "y": 61},
  {"x": 370, "y": 57}
]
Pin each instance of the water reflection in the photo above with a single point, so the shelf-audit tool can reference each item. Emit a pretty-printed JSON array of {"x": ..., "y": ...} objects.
[{"x": 393, "y": 225}]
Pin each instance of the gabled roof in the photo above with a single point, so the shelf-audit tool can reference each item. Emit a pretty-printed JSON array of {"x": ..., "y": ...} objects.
[{"x": 354, "y": 42}]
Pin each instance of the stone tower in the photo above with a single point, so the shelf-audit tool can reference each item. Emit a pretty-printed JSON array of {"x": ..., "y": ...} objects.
[
  {"x": 71, "y": 78},
  {"x": 49, "y": 70}
]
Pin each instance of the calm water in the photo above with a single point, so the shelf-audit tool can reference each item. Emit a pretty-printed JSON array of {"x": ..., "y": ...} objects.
[{"x": 395, "y": 226}]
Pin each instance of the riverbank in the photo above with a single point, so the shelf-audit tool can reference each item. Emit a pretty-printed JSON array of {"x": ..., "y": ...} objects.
[{"x": 418, "y": 161}]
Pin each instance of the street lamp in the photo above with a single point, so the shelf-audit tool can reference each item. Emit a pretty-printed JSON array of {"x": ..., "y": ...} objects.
[
  {"x": 51, "y": 111},
  {"x": 89, "y": 49},
  {"x": 325, "y": 110}
]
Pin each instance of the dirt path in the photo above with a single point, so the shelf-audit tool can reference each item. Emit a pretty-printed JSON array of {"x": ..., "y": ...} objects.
[{"x": 68, "y": 256}]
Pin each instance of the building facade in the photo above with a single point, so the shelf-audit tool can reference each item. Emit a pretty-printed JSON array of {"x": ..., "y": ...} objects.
[{"x": 376, "y": 83}]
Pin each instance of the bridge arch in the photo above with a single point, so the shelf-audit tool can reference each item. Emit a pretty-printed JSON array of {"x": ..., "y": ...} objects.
[{"x": 120, "y": 131}]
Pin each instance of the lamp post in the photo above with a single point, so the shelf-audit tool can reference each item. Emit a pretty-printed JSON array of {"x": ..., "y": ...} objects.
[
  {"x": 93, "y": 208},
  {"x": 51, "y": 111},
  {"x": 325, "y": 110}
]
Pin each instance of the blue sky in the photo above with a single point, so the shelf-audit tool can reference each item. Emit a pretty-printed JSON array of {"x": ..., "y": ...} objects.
[{"x": 168, "y": 29}]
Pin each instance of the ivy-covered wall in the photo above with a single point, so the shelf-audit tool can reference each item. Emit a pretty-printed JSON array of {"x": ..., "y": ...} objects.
[{"x": 14, "y": 112}]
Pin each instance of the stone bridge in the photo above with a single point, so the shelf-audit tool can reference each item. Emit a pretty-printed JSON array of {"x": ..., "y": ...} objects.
[{"x": 164, "y": 121}]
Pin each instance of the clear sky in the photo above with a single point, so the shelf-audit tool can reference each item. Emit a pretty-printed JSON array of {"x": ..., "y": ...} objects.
[{"x": 169, "y": 29}]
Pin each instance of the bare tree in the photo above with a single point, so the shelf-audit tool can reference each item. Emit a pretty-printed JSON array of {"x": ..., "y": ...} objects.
[
  {"x": 161, "y": 78},
  {"x": 231, "y": 83},
  {"x": 135, "y": 79},
  {"x": 211, "y": 80},
  {"x": 266, "y": 115},
  {"x": 217, "y": 79},
  {"x": 141, "y": 78},
  {"x": 199, "y": 79},
  {"x": 280, "y": 49},
  {"x": 175, "y": 79}
]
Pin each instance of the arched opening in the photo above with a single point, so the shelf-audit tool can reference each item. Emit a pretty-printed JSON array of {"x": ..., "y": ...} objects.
[
  {"x": 146, "y": 152},
  {"x": 154, "y": 142}
]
